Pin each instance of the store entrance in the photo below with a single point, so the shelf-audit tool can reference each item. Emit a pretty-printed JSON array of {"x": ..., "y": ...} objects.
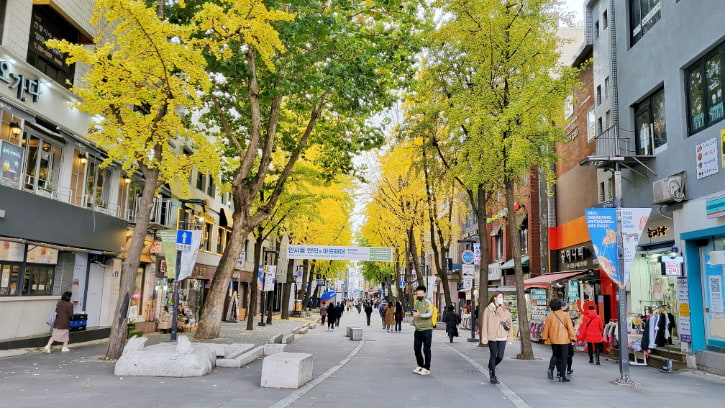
[{"x": 713, "y": 273}]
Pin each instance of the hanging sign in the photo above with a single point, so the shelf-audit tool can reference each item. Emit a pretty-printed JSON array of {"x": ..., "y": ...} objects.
[
  {"x": 11, "y": 160},
  {"x": 270, "y": 273},
  {"x": 602, "y": 226},
  {"x": 476, "y": 254},
  {"x": 339, "y": 253},
  {"x": 706, "y": 158},
  {"x": 633, "y": 222},
  {"x": 683, "y": 311}
]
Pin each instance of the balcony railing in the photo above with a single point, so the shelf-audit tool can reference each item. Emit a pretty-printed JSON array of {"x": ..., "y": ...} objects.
[
  {"x": 609, "y": 143},
  {"x": 160, "y": 213}
]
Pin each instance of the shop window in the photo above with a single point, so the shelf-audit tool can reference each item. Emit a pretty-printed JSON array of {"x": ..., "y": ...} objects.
[
  {"x": 643, "y": 15},
  {"x": 649, "y": 123},
  {"x": 189, "y": 219},
  {"x": 524, "y": 240},
  {"x": 499, "y": 245},
  {"x": 9, "y": 278},
  {"x": 704, "y": 85},
  {"x": 206, "y": 236},
  {"x": 9, "y": 130},
  {"x": 96, "y": 191},
  {"x": 48, "y": 24},
  {"x": 42, "y": 163},
  {"x": 38, "y": 280}
]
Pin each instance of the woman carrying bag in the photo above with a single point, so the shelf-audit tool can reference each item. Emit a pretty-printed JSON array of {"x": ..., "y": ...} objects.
[
  {"x": 61, "y": 325},
  {"x": 559, "y": 332},
  {"x": 496, "y": 331}
]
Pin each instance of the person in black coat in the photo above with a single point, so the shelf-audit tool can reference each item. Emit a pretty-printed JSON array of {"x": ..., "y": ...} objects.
[
  {"x": 368, "y": 311},
  {"x": 332, "y": 316},
  {"x": 340, "y": 309},
  {"x": 452, "y": 320}
]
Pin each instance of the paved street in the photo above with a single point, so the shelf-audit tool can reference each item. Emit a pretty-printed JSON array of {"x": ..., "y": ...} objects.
[{"x": 378, "y": 373}]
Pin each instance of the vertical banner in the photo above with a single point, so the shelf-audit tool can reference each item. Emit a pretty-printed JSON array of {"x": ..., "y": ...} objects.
[
  {"x": 476, "y": 254},
  {"x": 602, "y": 226},
  {"x": 168, "y": 247},
  {"x": 431, "y": 286},
  {"x": 270, "y": 274},
  {"x": 683, "y": 311},
  {"x": 633, "y": 223},
  {"x": 188, "y": 257}
]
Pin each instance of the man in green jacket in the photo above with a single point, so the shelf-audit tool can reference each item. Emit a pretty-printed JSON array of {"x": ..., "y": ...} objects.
[{"x": 423, "y": 336}]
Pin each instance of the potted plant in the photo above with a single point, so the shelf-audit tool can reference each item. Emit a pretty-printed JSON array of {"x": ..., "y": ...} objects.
[{"x": 46, "y": 191}]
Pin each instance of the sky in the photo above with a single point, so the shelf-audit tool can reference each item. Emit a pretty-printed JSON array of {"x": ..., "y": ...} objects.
[{"x": 576, "y": 6}]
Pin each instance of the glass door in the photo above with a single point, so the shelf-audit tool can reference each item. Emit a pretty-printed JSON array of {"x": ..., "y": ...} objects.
[{"x": 713, "y": 278}]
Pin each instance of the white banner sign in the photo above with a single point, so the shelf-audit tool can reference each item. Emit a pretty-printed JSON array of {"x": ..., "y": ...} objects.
[
  {"x": 339, "y": 253},
  {"x": 270, "y": 274},
  {"x": 431, "y": 286},
  {"x": 188, "y": 258},
  {"x": 476, "y": 254},
  {"x": 633, "y": 222},
  {"x": 468, "y": 270},
  {"x": 467, "y": 284},
  {"x": 494, "y": 271}
]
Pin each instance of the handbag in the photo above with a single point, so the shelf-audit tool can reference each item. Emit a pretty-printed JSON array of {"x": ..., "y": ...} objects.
[
  {"x": 506, "y": 326},
  {"x": 51, "y": 319}
]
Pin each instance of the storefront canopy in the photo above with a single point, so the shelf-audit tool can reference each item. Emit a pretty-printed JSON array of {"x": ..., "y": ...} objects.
[
  {"x": 544, "y": 281},
  {"x": 510, "y": 263}
]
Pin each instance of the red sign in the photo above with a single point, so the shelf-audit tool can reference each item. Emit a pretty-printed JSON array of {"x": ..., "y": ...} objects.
[{"x": 156, "y": 248}]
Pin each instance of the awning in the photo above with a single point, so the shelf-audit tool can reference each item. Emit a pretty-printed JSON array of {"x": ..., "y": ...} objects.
[
  {"x": 544, "y": 281},
  {"x": 510, "y": 263},
  {"x": 495, "y": 230}
]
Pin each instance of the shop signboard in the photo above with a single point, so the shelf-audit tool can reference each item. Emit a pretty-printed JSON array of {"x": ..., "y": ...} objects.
[
  {"x": 672, "y": 266},
  {"x": 339, "y": 253},
  {"x": 715, "y": 207},
  {"x": 11, "y": 251},
  {"x": 683, "y": 311},
  {"x": 11, "y": 159},
  {"x": 706, "y": 155},
  {"x": 494, "y": 271},
  {"x": 573, "y": 290}
]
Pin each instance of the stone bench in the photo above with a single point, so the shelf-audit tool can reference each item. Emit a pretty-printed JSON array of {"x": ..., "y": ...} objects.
[
  {"x": 286, "y": 370},
  {"x": 276, "y": 339},
  {"x": 182, "y": 359},
  {"x": 241, "y": 360},
  {"x": 271, "y": 349},
  {"x": 356, "y": 333},
  {"x": 348, "y": 331},
  {"x": 288, "y": 338}
]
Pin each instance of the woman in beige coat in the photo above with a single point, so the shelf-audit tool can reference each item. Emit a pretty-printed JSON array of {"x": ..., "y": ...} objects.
[
  {"x": 559, "y": 331},
  {"x": 496, "y": 331},
  {"x": 390, "y": 316}
]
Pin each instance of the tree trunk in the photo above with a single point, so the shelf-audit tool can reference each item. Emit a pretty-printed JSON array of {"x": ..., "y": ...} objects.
[
  {"x": 527, "y": 352},
  {"x": 301, "y": 289},
  {"x": 480, "y": 207},
  {"x": 210, "y": 320},
  {"x": 308, "y": 289},
  {"x": 270, "y": 295},
  {"x": 117, "y": 339},
  {"x": 412, "y": 251},
  {"x": 287, "y": 288}
]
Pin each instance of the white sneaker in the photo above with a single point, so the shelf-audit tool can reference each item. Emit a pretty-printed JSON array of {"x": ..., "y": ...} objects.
[
  {"x": 417, "y": 370},
  {"x": 65, "y": 349},
  {"x": 423, "y": 371},
  {"x": 46, "y": 349}
]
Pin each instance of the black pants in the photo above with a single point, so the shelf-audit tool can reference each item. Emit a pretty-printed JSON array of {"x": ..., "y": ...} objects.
[
  {"x": 323, "y": 319},
  {"x": 569, "y": 359},
  {"x": 497, "y": 349},
  {"x": 368, "y": 316},
  {"x": 422, "y": 338},
  {"x": 594, "y": 348},
  {"x": 337, "y": 321},
  {"x": 398, "y": 325},
  {"x": 561, "y": 353},
  {"x": 331, "y": 323}
]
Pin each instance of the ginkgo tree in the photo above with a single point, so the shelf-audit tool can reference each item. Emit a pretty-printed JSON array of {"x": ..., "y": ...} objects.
[{"x": 144, "y": 74}]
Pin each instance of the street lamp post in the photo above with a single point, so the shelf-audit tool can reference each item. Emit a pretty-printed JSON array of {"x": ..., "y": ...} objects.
[
  {"x": 473, "y": 297},
  {"x": 263, "y": 305},
  {"x": 182, "y": 222}
]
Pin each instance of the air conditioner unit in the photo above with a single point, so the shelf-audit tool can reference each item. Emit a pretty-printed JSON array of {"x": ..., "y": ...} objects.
[{"x": 670, "y": 189}]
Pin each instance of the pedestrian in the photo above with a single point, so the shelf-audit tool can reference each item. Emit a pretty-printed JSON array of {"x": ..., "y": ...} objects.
[
  {"x": 591, "y": 332},
  {"x": 423, "y": 336},
  {"x": 570, "y": 350},
  {"x": 323, "y": 312},
  {"x": 368, "y": 311},
  {"x": 331, "y": 317},
  {"x": 61, "y": 325},
  {"x": 390, "y": 316},
  {"x": 399, "y": 315},
  {"x": 381, "y": 309},
  {"x": 559, "y": 332},
  {"x": 339, "y": 310},
  {"x": 496, "y": 331},
  {"x": 451, "y": 319},
  {"x": 358, "y": 306}
]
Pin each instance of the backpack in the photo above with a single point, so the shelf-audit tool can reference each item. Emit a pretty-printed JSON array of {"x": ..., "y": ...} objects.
[{"x": 434, "y": 318}]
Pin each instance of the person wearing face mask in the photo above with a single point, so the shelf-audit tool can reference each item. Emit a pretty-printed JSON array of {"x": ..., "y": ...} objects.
[
  {"x": 496, "y": 331},
  {"x": 423, "y": 336}
]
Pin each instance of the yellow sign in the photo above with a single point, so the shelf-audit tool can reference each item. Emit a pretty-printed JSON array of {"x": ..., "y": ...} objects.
[{"x": 722, "y": 147}]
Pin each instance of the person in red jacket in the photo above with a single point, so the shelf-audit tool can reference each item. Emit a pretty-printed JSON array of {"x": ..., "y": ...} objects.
[{"x": 591, "y": 331}]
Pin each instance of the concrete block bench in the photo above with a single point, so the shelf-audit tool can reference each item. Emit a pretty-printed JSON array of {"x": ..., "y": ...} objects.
[
  {"x": 288, "y": 338},
  {"x": 356, "y": 333},
  {"x": 286, "y": 370},
  {"x": 271, "y": 349},
  {"x": 166, "y": 359},
  {"x": 348, "y": 331},
  {"x": 277, "y": 338},
  {"x": 241, "y": 360}
]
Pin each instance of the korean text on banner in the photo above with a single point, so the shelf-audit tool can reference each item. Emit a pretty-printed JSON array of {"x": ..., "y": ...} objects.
[
  {"x": 683, "y": 311},
  {"x": 602, "y": 226},
  {"x": 633, "y": 223},
  {"x": 270, "y": 274},
  {"x": 476, "y": 254},
  {"x": 168, "y": 246},
  {"x": 339, "y": 253}
]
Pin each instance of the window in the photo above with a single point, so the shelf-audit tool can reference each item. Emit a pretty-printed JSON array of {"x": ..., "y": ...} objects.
[
  {"x": 221, "y": 241},
  {"x": 96, "y": 194},
  {"x": 606, "y": 88},
  {"x": 200, "y": 180},
  {"x": 206, "y": 236},
  {"x": 499, "y": 245},
  {"x": 42, "y": 163},
  {"x": 643, "y": 15},
  {"x": 649, "y": 123},
  {"x": 591, "y": 128},
  {"x": 524, "y": 240},
  {"x": 704, "y": 83},
  {"x": 211, "y": 188},
  {"x": 605, "y": 20},
  {"x": 607, "y": 120},
  {"x": 600, "y": 127},
  {"x": 9, "y": 279},
  {"x": 596, "y": 29},
  {"x": 599, "y": 95},
  {"x": 38, "y": 280},
  {"x": 606, "y": 190}
]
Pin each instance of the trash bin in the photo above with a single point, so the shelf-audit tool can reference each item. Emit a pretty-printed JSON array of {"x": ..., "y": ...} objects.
[{"x": 297, "y": 311}]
